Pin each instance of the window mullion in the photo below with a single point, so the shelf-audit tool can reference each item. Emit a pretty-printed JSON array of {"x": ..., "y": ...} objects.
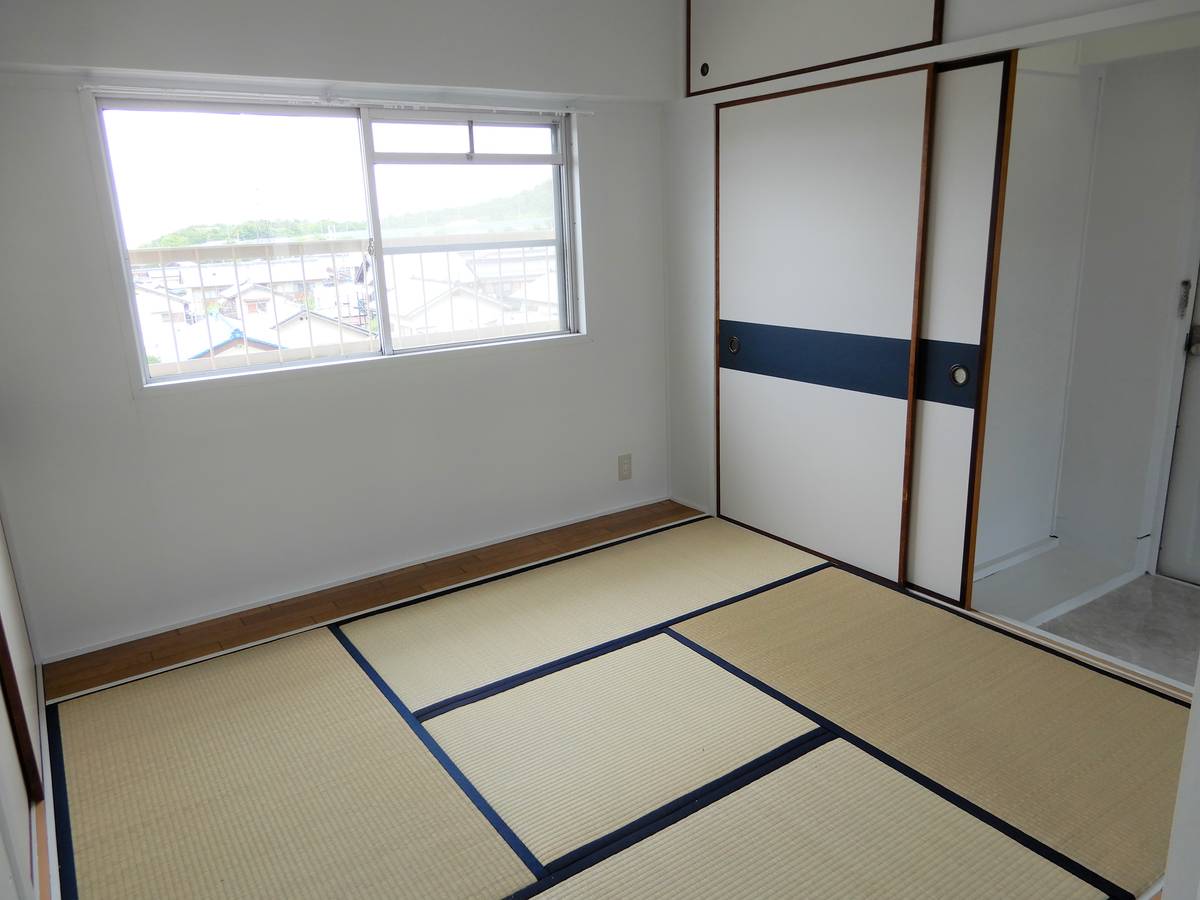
[
  {"x": 382, "y": 311},
  {"x": 451, "y": 159},
  {"x": 564, "y": 226}
]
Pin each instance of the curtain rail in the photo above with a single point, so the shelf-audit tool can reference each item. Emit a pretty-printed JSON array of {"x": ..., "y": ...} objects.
[{"x": 132, "y": 92}]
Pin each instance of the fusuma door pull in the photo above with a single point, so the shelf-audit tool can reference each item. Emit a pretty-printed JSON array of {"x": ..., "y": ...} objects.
[{"x": 735, "y": 344}]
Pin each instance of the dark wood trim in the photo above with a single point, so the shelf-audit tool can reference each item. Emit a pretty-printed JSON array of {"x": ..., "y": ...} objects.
[
  {"x": 971, "y": 62},
  {"x": 910, "y": 588},
  {"x": 687, "y": 49},
  {"x": 939, "y": 21},
  {"x": 939, "y": 14},
  {"x": 717, "y": 295},
  {"x": 808, "y": 89},
  {"x": 988, "y": 322},
  {"x": 18, "y": 722},
  {"x": 179, "y": 646},
  {"x": 918, "y": 309}
]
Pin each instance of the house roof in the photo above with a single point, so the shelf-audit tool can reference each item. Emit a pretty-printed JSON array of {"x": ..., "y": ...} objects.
[
  {"x": 312, "y": 313},
  {"x": 225, "y": 333},
  {"x": 251, "y": 290},
  {"x": 459, "y": 290}
]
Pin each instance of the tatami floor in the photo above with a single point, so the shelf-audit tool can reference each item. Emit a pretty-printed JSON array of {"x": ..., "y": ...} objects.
[{"x": 698, "y": 711}]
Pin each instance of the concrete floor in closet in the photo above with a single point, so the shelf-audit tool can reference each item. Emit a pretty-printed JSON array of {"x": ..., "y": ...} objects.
[{"x": 1152, "y": 622}]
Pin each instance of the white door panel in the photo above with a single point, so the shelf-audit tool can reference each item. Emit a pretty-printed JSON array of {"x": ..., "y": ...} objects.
[
  {"x": 742, "y": 40},
  {"x": 940, "y": 496},
  {"x": 819, "y": 197},
  {"x": 1179, "y": 555},
  {"x": 966, "y": 120},
  {"x": 961, "y": 187},
  {"x": 812, "y": 464},
  {"x": 819, "y": 217}
]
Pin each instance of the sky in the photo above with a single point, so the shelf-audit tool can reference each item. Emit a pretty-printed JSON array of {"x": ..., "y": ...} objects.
[{"x": 174, "y": 169}]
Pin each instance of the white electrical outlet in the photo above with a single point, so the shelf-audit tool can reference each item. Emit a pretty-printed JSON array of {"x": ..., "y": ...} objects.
[{"x": 624, "y": 467}]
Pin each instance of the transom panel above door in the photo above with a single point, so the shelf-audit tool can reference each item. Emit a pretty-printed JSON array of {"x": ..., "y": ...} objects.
[
  {"x": 738, "y": 42},
  {"x": 821, "y": 198}
]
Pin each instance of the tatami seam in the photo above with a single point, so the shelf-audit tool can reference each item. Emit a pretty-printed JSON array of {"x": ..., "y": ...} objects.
[{"x": 1064, "y": 862}]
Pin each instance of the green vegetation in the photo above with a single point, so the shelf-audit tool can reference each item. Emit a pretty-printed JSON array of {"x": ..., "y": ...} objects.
[
  {"x": 255, "y": 230},
  {"x": 533, "y": 207}
]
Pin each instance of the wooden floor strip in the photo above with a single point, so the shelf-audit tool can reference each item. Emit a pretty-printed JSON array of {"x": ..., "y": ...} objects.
[{"x": 137, "y": 657}]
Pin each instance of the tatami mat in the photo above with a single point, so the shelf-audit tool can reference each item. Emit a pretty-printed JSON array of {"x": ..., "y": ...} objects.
[
  {"x": 574, "y": 756},
  {"x": 833, "y": 823},
  {"x": 278, "y": 771},
  {"x": 1080, "y": 761},
  {"x": 434, "y": 650}
]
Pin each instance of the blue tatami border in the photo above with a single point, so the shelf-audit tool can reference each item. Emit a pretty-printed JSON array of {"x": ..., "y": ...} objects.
[
  {"x": 497, "y": 687},
  {"x": 1080, "y": 871},
  {"x": 502, "y": 828}
]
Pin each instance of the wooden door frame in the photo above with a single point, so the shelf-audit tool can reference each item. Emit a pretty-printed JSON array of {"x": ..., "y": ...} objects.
[{"x": 18, "y": 723}]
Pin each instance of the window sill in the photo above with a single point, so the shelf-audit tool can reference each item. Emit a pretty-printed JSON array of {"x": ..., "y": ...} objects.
[{"x": 173, "y": 384}]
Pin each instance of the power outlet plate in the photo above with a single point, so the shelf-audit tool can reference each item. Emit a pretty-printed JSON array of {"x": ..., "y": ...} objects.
[{"x": 625, "y": 467}]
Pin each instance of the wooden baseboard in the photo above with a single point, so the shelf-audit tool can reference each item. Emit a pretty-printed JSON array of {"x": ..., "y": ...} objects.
[{"x": 180, "y": 645}]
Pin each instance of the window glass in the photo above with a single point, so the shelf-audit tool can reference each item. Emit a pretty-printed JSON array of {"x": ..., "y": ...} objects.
[
  {"x": 247, "y": 237},
  {"x": 420, "y": 137},
  {"x": 471, "y": 252},
  {"x": 514, "y": 139},
  {"x": 251, "y": 243}
]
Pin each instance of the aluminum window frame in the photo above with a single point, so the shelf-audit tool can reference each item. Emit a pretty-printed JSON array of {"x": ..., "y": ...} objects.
[{"x": 561, "y": 159}]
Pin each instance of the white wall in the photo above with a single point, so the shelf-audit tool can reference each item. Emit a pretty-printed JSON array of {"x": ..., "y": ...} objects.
[
  {"x": 1054, "y": 121},
  {"x": 689, "y": 154},
  {"x": 1138, "y": 249},
  {"x": 972, "y": 18},
  {"x": 131, "y": 510},
  {"x": 626, "y": 48}
]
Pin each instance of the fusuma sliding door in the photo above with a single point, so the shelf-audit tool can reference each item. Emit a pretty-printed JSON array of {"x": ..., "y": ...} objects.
[
  {"x": 973, "y": 105},
  {"x": 820, "y": 215}
]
